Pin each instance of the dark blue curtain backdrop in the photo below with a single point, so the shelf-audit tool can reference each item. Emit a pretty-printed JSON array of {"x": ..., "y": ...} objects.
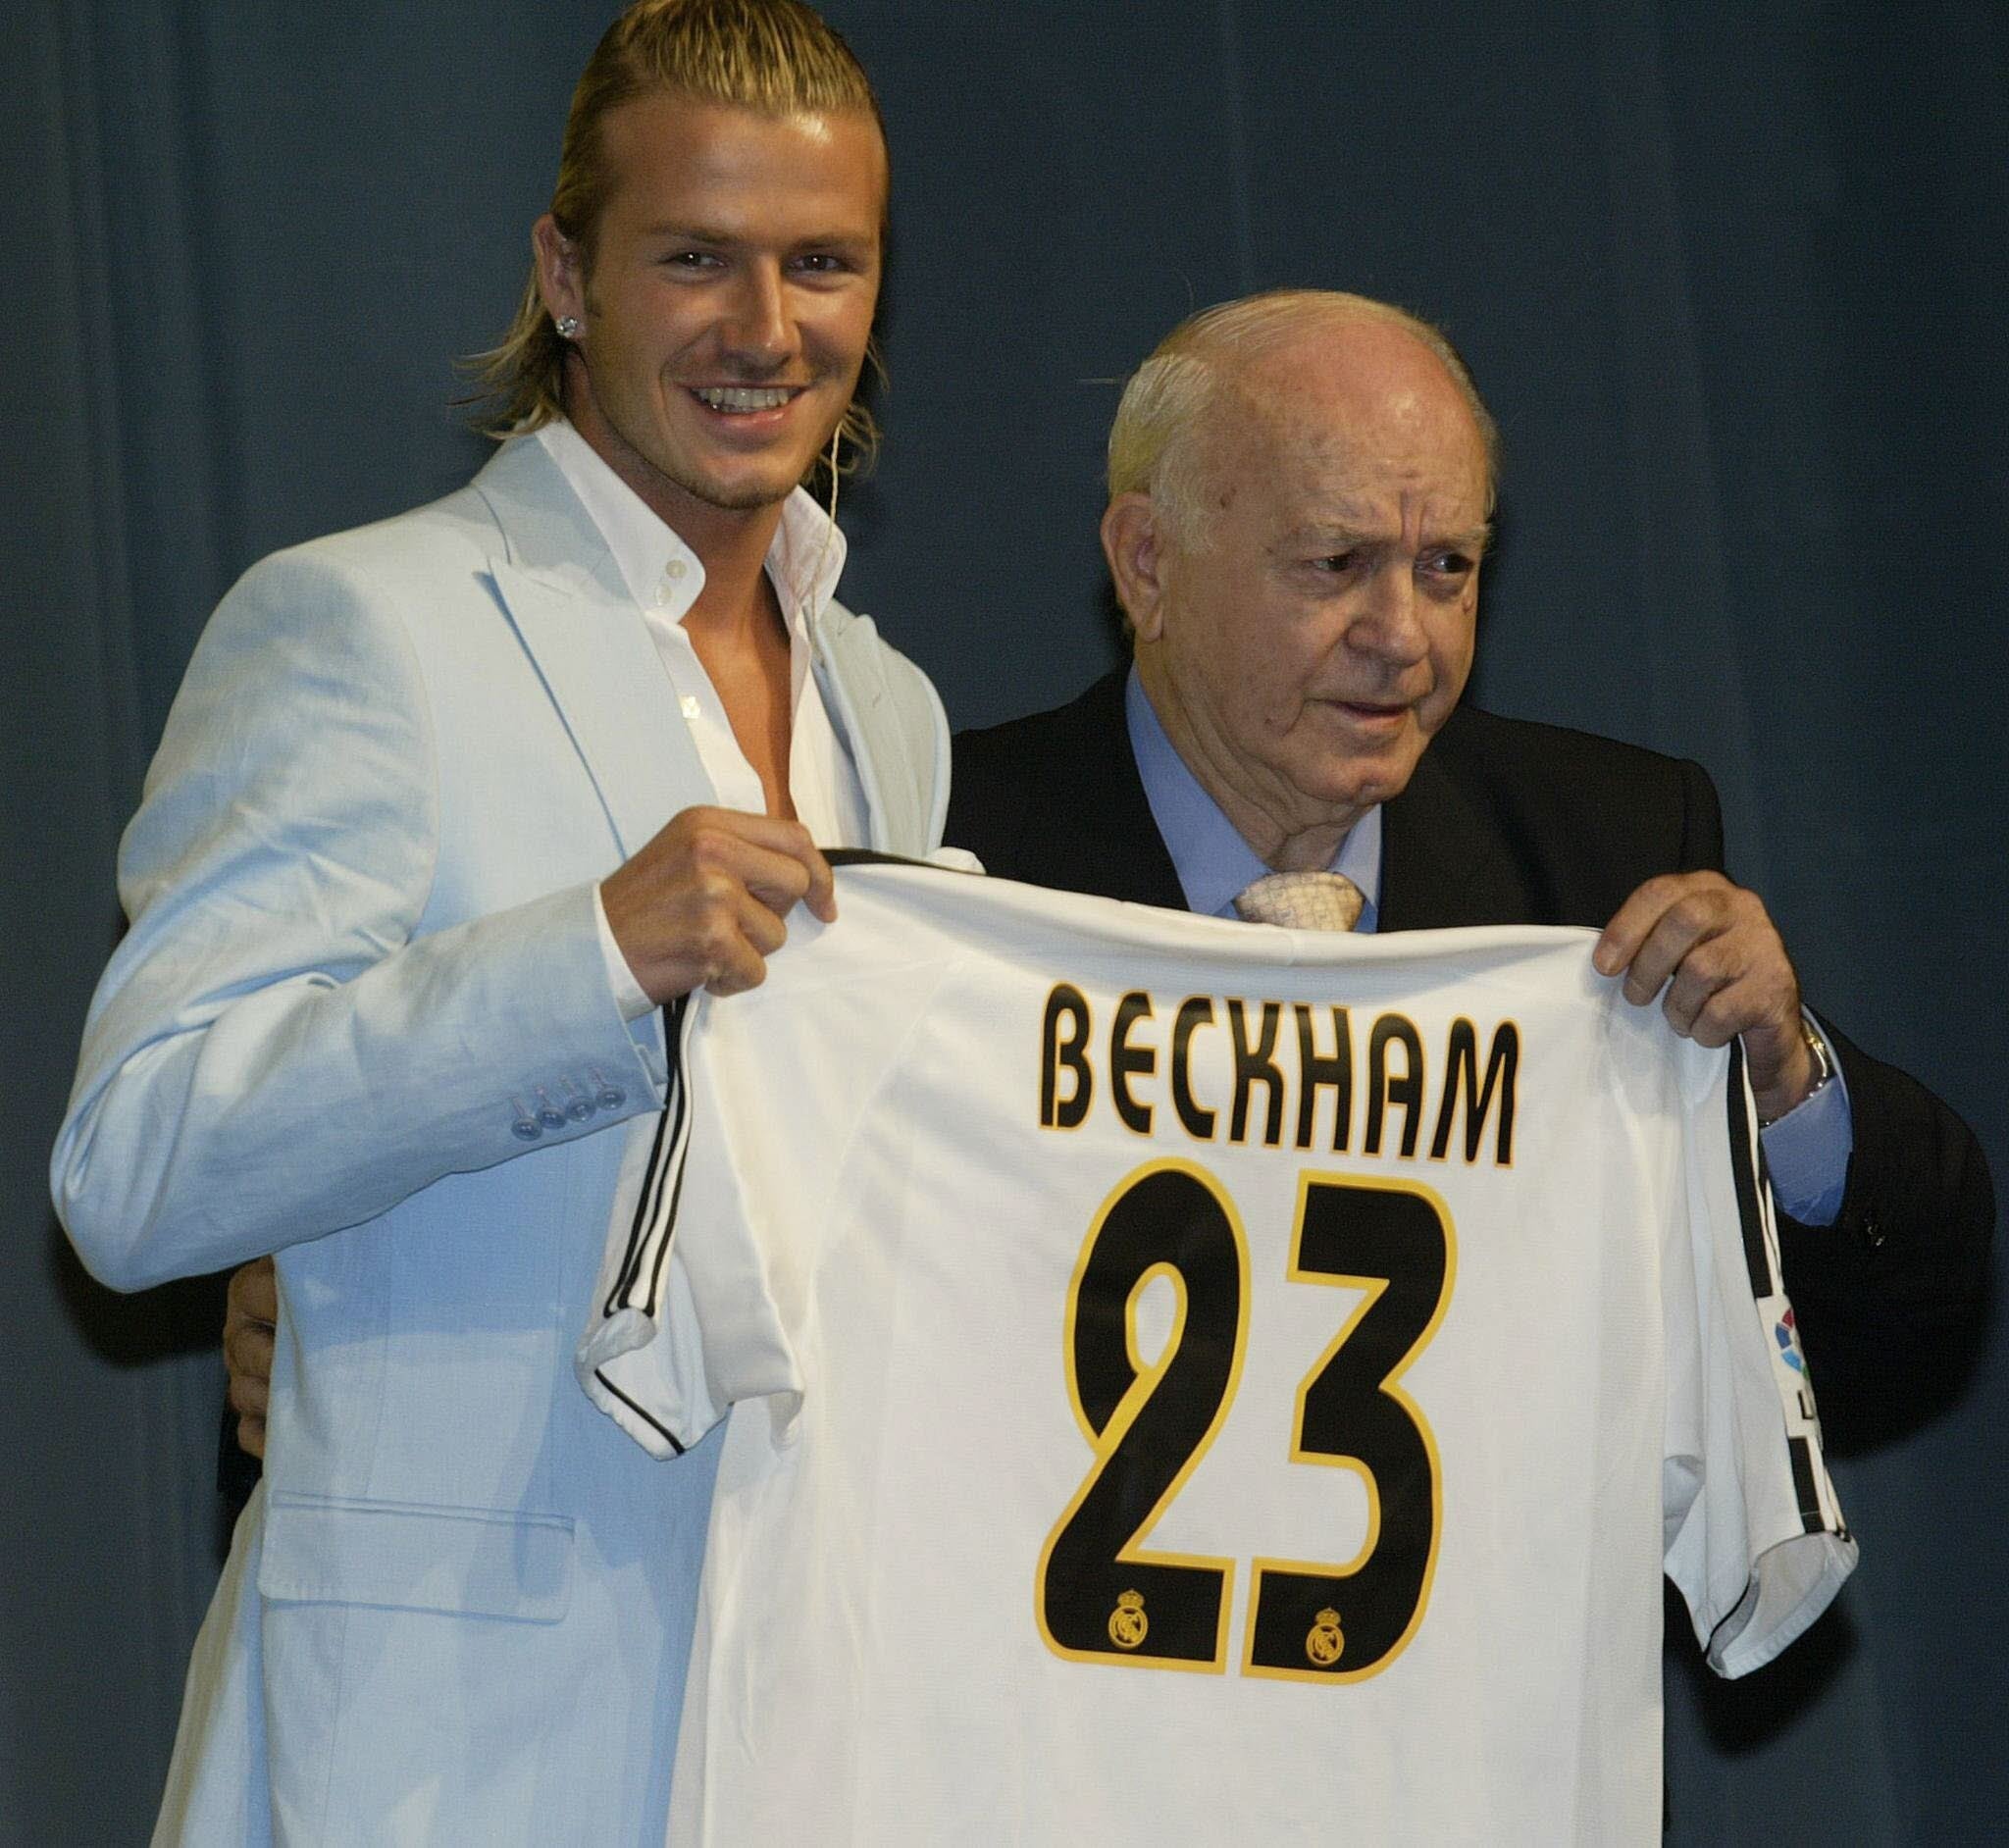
[{"x": 1731, "y": 275}]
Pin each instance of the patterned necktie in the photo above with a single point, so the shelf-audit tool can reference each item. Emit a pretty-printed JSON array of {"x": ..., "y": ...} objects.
[{"x": 1301, "y": 902}]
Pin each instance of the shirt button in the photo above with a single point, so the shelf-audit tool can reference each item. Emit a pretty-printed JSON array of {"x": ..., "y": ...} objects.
[
  {"x": 687, "y": 704},
  {"x": 673, "y": 572}
]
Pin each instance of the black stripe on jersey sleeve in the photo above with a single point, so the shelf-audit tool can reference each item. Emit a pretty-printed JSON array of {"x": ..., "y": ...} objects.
[
  {"x": 867, "y": 856},
  {"x": 668, "y": 1220},
  {"x": 661, "y": 1154},
  {"x": 871, "y": 857},
  {"x": 641, "y": 1411},
  {"x": 1744, "y": 1173},
  {"x": 638, "y": 1230},
  {"x": 1812, "y": 1516},
  {"x": 1768, "y": 1289}
]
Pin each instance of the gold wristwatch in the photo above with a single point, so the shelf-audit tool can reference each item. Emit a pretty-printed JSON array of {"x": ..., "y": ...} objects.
[{"x": 1823, "y": 1070}]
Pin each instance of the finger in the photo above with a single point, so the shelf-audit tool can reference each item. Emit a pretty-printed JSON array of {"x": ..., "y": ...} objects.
[
  {"x": 731, "y": 854},
  {"x": 249, "y": 1396},
  {"x": 253, "y": 1292},
  {"x": 248, "y": 1349},
  {"x": 709, "y": 828},
  {"x": 1698, "y": 983},
  {"x": 821, "y": 896},
  {"x": 738, "y": 955},
  {"x": 741, "y": 943},
  {"x": 782, "y": 876},
  {"x": 251, "y": 1437},
  {"x": 759, "y": 927},
  {"x": 1679, "y": 936},
  {"x": 1713, "y": 977},
  {"x": 1750, "y": 1010},
  {"x": 787, "y": 867},
  {"x": 777, "y": 880},
  {"x": 1631, "y": 925},
  {"x": 736, "y": 974},
  {"x": 1700, "y": 915},
  {"x": 1636, "y": 920},
  {"x": 704, "y": 903}
]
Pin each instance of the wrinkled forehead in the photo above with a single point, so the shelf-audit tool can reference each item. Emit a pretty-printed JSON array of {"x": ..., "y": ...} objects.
[{"x": 1306, "y": 445}]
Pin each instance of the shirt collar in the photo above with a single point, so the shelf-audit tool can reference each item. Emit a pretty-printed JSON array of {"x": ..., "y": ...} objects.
[
  {"x": 1212, "y": 861},
  {"x": 661, "y": 572}
]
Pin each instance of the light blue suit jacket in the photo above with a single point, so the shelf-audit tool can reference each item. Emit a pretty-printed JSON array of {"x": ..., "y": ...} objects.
[{"x": 363, "y": 969}]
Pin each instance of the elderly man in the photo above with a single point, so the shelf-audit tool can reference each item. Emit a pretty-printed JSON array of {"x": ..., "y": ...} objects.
[
  {"x": 446, "y": 807},
  {"x": 1300, "y": 487}
]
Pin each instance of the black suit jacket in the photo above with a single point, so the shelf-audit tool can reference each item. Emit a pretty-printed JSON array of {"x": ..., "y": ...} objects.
[{"x": 1507, "y": 822}]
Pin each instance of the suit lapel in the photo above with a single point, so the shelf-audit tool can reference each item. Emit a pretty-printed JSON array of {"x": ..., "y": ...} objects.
[
  {"x": 563, "y": 594},
  {"x": 1097, "y": 829},
  {"x": 1056, "y": 800},
  {"x": 1445, "y": 862},
  {"x": 851, "y": 680},
  {"x": 1140, "y": 865}
]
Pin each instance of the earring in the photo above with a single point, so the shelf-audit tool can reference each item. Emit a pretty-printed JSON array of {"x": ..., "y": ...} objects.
[{"x": 568, "y": 328}]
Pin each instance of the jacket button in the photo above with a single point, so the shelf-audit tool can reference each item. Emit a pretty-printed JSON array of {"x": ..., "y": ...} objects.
[
  {"x": 1873, "y": 1230},
  {"x": 525, "y": 1129},
  {"x": 579, "y": 1110},
  {"x": 611, "y": 1098}
]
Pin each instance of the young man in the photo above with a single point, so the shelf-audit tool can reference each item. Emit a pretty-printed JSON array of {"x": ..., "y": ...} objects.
[{"x": 446, "y": 808}]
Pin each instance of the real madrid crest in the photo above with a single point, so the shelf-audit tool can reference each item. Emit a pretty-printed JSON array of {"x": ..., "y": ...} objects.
[
  {"x": 1324, "y": 1642},
  {"x": 1128, "y": 1626}
]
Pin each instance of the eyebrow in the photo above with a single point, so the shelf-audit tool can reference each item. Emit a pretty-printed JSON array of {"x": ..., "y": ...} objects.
[
  {"x": 717, "y": 235},
  {"x": 697, "y": 233},
  {"x": 1341, "y": 537}
]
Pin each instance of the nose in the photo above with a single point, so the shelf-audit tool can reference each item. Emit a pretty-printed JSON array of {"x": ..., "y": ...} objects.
[
  {"x": 1390, "y": 625},
  {"x": 758, "y": 332}
]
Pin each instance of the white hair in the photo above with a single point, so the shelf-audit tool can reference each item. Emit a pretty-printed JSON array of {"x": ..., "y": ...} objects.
[{"x": 1154, "y": 442}]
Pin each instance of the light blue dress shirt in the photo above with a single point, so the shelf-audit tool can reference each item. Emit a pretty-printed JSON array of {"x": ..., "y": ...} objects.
[{"x": 1806, "y": 1151}]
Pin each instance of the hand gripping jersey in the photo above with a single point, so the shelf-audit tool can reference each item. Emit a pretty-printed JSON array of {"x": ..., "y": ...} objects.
[{"x": 1200, "y": 1382}]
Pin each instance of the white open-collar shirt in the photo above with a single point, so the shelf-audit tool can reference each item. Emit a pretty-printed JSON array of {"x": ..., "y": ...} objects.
[{"x": 664, "y": 576}]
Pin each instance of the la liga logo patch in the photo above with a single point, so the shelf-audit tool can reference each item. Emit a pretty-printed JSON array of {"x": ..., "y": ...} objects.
[{"x": 1786, "y": 1331}]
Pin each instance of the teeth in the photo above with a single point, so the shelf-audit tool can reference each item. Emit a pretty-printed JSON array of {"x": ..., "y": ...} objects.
[{"x": 743, "y": 398}]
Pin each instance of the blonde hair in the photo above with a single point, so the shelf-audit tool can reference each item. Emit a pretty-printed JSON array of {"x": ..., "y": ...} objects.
[
  {"x": 775, "y": 57},
  {"x": 1153, "y": 447}
]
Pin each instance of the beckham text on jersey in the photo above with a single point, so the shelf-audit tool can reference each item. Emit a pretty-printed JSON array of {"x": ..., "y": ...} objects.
[{"x": 1275, "y": 1072}]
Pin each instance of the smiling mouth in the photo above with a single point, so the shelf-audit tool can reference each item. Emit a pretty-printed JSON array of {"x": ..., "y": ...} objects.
[{"x": 742, "y": 400}]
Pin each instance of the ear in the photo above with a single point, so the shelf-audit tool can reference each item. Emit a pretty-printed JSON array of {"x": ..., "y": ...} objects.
[
  {"x": 1135, "y": 544},
  {"x": 561, "y": 269}
]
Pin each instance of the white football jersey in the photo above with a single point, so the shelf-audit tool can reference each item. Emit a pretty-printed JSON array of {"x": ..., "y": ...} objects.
[{"x": 1199, "y": 1382}]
